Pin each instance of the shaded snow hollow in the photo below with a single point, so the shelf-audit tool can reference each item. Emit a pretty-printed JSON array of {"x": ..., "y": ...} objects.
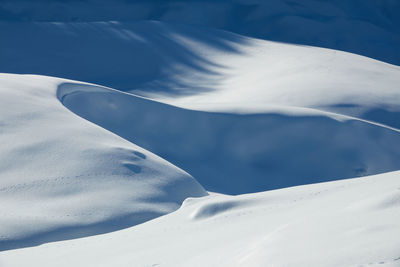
[{"x": 241, "y": 153}]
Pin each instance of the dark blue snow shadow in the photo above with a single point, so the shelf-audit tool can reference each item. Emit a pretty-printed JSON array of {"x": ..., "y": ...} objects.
[
  {"x": 124, "y": 56},
  {"x": 366, "y": 27},
  {"x": 369, "y": 28},
  {"x": 234, "y": 154}
]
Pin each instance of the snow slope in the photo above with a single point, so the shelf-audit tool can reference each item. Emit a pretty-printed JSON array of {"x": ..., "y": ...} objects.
[
  {"x": 63, "y": 177},
  {"x": 210, "y": 66},
  {"x": 342, "y": 223},
  {"x": 257, "y": 76},
  {"x": 365, "y": 27}
]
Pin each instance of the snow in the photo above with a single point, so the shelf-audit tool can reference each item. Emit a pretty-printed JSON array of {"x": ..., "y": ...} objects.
[
  {"x": 64, "y": 177},
  {"x": 342, "y": 223},
  {"x": 365, "y": 27},
  {"x": 166, "y": 143},
  {"x": 242, "y": 153},
  {"x": 206, "y": 69},
  {"x": 241, "y": 91}
]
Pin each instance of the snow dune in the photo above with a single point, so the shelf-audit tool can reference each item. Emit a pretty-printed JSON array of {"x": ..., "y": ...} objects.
[
  {"x": 342, "y": 223},
  {"x": 63, "y": 177}
]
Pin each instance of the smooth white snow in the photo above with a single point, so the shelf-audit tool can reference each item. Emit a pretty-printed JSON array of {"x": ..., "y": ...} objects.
[{"x": 342, "y": 223}]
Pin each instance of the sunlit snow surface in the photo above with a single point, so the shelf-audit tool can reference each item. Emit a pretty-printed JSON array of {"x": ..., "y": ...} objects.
[
  {"x": 196, "y": 112},
  {"x": 343, "y": 223},
  {"x": 64, "y": 177}
]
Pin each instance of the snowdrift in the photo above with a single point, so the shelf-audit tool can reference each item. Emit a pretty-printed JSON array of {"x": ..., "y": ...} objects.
[
  {"x": 62, "y": 177},
  {"x": 240, "y": 153},
  {"x": 342, "y": 223}
]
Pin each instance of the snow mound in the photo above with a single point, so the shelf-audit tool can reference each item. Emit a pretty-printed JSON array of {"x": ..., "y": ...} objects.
[
  {"x": 241, "y": 153},
  {"x": 63, "y": 177},
  {"x": 351, "y": 222}
]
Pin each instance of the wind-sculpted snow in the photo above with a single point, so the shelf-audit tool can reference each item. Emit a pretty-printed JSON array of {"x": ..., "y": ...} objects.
[
  {"x": 205, "y": 69},
  {"x": 351, "y": 222},
  {"x": 120, "y": 55},
  {"x": 62, "y": 177},
  {"x": 255, "y": 115},
  {"x": 240, "y": 153},
  {"x": 238, "y": 114}
]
